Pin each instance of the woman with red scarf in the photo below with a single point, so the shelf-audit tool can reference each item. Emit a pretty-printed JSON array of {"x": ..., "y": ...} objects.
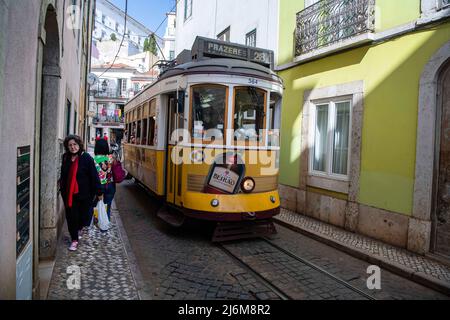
[{"x": 79, "y": 185}]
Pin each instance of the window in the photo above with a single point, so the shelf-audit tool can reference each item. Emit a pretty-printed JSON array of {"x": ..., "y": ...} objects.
[
  {"x": 75, "y": 121},
  {"x": 274, "y": 115},
  {"x": 171, "y": 55},
  {"x": 249, "y": 114},
  {"x": 444, "y": 3},
  {"x": 250, "y": 39},
  {"x": 68, "y": 114},
  {"x": 331, "y": 137},
  {"x": 139, "y": 126},
  {"x": 144, "y": 131},
  {"x": 309, "y": 3},
  {"x": 152, "y": 124},
  {"x": 224, "y": 35},
  {"x": 433, "y": 10},
  {"x": 208, "y": 111},
  {"x": 187, "y": 9},
  {"x": 123, "y": 86}
]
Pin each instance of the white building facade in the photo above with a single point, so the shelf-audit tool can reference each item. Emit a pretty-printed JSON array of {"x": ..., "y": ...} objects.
[
  {"x": 107, "y": 99},
  {"x": 170, "y": 36},
  {"x": 250, "y": 22},
  {"x": 110, "y": 19}
]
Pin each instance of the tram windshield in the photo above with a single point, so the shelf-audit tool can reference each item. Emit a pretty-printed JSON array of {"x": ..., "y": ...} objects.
[
  {"x": 208, "y": 106},
  {"x": 249, "y": 113}
]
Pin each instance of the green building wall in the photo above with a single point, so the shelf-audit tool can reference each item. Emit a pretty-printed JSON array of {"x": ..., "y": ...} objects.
[{"x": 391, "y": 73}]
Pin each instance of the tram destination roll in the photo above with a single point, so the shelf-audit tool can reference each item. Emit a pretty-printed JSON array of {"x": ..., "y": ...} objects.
[{"x": 211, "y": 48}]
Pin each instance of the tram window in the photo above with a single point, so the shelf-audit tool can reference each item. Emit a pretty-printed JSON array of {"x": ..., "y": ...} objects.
[
  {"x": 144, "y": 132},
  {"x": 138, "y": 133},
  {"x": 274, "y": 120},
  {"x": 208, "y": 108},
  {"x": 151, "y": 131},
  {"x": 133, "y": 133},
  {"x": 248, "y": 116},
  {"x": 129, "y": 133}
]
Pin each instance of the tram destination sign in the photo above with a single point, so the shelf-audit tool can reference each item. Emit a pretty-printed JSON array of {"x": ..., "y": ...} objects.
[{"x": 204, "y": 47}]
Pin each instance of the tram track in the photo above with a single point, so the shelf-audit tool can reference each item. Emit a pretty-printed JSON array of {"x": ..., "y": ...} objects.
[{"x": 278, "y": 290}]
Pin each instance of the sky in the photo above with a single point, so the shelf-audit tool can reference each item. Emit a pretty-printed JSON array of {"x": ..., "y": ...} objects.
[{"x": 148, "y": 12}]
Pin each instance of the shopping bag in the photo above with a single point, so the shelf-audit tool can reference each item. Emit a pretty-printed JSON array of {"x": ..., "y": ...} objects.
[{"x": 103, "y": 221}]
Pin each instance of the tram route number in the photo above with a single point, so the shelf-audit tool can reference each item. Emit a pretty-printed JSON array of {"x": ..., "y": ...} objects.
[{"x": 252, "y": 81}]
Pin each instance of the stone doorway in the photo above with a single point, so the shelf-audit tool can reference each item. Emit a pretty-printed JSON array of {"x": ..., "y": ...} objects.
[
  {"x": 442, "y": 184},
  {"x": 47, "y": 136}
]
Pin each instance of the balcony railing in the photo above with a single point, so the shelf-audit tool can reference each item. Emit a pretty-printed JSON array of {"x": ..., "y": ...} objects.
[
  {"x": 110, "y": 93},
  {"x": 112, "y": 120},
  {"x": 328, "y": 22}
]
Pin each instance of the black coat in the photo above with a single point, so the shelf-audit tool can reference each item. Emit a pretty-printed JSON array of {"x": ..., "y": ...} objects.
[{"x": 87, "y": 177}]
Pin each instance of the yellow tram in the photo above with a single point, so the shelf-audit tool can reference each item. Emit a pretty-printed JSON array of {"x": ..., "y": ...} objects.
[{"x": 205, "y": 136}]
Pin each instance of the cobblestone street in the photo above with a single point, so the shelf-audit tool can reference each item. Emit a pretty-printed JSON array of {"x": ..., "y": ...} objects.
[
  {"x": 104, "y": 268},
  {"x": 184, "y": 264}
]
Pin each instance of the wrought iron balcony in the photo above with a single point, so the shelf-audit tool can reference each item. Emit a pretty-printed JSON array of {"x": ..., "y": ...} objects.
[
  {"x": 329, "y": 22},
  {"x": 110, "y": 93},
  {"x": 108, "y": 120}
]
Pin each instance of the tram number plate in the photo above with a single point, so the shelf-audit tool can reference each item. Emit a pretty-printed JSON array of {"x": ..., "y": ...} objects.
[
  {"x": 224, "y": 179},
  {"x": 252, "y": 81}
]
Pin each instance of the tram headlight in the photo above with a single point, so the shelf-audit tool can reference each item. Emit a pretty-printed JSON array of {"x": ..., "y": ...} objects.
[
  {"x": 248, "y": 185},
  {"x": 215, "y": 203}
]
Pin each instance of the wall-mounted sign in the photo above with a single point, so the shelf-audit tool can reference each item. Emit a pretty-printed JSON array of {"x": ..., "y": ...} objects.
[
  {"x": 23, "y": 198},
  {"x": 204, "y": 47}
]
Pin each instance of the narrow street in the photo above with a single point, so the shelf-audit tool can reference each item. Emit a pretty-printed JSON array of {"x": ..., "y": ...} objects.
[{"x": 184, "y": 264}]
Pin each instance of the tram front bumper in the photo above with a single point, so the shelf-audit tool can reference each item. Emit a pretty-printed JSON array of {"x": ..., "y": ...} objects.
[{"x": 253, "y": 202}]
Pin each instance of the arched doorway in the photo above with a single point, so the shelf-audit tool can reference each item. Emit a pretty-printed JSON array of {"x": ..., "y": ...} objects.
[
  {"x": 429, "y": 226},
  {"x": 47, "y": 146},
  {"x": 441, "y": 219}
]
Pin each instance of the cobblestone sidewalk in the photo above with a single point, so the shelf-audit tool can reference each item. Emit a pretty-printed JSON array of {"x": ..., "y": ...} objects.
[
  {"x": 416, "y": 267},
  {"x": 103, "y": 264}
]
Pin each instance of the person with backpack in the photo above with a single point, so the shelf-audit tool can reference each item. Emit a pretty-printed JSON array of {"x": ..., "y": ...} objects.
[{"x": 108, "y": 170}]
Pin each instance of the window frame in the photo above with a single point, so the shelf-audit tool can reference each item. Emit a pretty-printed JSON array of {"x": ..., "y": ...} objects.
[
  {"x": 186, "y": 15},
  {"x": 332, "y": 119},
  {"x": 191, "y": 114},
  {"x": 261, "y": 142},
  {"x": 151, "y": 120}
]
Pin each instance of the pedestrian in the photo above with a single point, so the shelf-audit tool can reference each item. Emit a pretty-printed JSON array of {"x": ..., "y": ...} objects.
[
  {"x": 104, "y": 162},
  {"x": 79, "y": 185}
]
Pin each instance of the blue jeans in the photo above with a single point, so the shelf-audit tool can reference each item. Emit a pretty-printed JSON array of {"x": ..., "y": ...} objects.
[{"x": 109, "y": 190}]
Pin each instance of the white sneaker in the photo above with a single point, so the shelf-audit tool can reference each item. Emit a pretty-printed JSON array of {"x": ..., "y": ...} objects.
[{"x": 73, "y": 246}]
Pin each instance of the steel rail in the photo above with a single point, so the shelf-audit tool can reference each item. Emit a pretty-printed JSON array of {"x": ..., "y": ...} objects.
[
  {"x": 282, "y": 295},
  {"x": 321, "y": 270}
]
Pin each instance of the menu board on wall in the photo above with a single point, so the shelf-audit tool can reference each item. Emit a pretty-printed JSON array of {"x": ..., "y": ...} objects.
[{"x": 23, "y": 198}]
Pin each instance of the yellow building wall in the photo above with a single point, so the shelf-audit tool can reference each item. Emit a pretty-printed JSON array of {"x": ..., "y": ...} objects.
[{"x": 391, "y": 73}]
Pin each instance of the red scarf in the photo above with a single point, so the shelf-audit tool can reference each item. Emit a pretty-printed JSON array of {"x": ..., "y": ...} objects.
[{"x": 73, "y": 184}]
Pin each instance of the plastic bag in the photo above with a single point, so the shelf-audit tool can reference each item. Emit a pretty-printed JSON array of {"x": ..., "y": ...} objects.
[{"x": 103, "y": 221}]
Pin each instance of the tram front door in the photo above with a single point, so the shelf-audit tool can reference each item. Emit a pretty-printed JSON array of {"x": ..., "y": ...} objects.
[{"x": 174, "y": 172}]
